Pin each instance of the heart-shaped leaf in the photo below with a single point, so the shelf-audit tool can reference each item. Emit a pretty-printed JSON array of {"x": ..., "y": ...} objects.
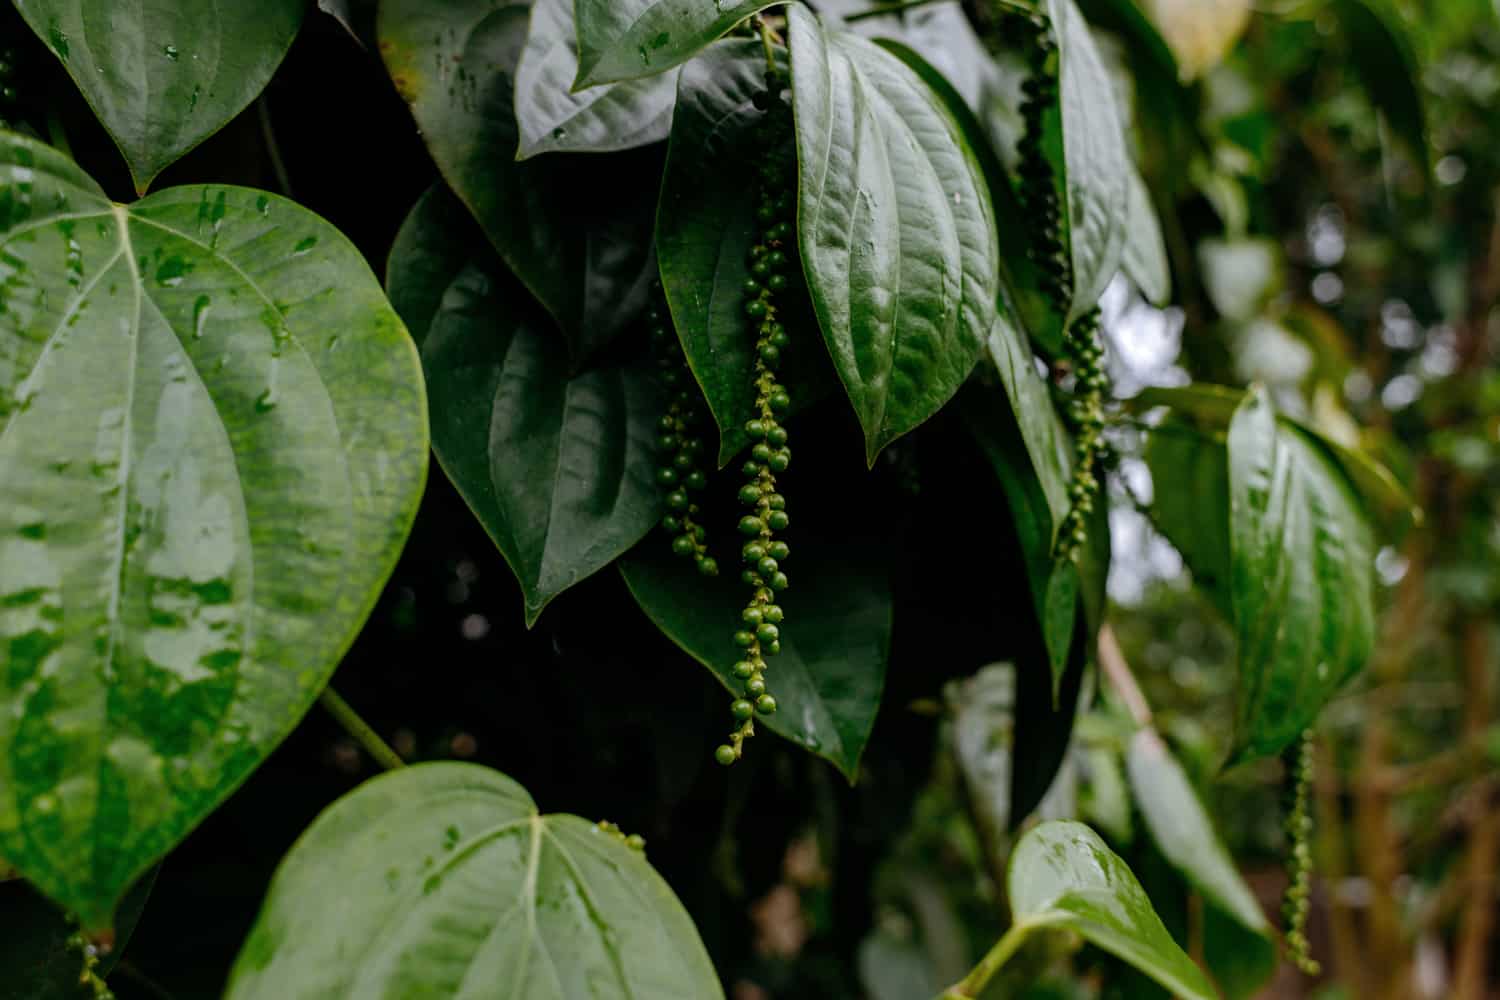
[
  {"x": 213, "y": 438},
  {"x": 163, "y": 77},
  {"x": 835, "y": 644},
  {"x": 443, "y": 880},
  {"x": 1096, "y": 165},
  {"x": 557, "y": 469},
  {"x": 576, "y": 230},
  {"x": 626, "y": 39},
  {"x": 1183, "y": 831},
  {"x": 1062, "y": 875},
  {"x": 552, "y": 118},
  {"x": 38, "y": 951},
  {"x": 1301, "y": 577},
  {"x": 705, "y": 227},
  {"x": 895, "y": 226}
]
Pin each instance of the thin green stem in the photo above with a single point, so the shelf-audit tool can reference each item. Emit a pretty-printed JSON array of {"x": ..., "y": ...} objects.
[
  {"x": 358, "y": 728},
  {"x": 979, "y": 977},
  {"x": 765, "y": 43},
  {"x": 273, "y": 148},
  {"x": 891, "y": 8},
  {"x": 57, "y": 135}
]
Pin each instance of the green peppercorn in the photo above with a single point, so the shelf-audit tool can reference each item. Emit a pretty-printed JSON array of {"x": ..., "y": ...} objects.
[
  {"x": 708, "y": 565},
  {"x": 776, "y": 437},
  {"x": 750, "y": 493},
  {"x": 666, "y": 476},
  {"x": 773, "y": 613},
  {"x": 695, "y": 480},
  {"x": 766, "y": 632},
  {"x": 683, "y": 545},
  {"x": 742, "y": 709},
  {"x": 780, "y": 582},
  {"x": 755, "y": 308},
  {"x": 765, "y": 705},
  {"x": 744, "y": 639},
  {"x": 751, "y": 525},
  {"x": 725, "y": 755},
  {"x": 744, "y": 670},
  {"x": 755, "y": 687},
  {"x": 778, "y": 520},
  {"x": 761, "y": 453},
  {"x": 752, "y": 615},
  {"x": 753, "y": 552},
  {"x": 755, "y": 429},
  {"x": 767, "y": 566},
  {"x": 677, "y": 500},
  {"x": 780, "y": 460}
]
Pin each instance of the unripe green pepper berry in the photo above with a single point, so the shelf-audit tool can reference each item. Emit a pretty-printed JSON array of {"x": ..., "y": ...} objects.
[
  {"x": 766, "y": 632},
  {"x": 778, "y": 550},
  {"x": 765, "y": 705},
  {"x": 778, "y": 520},
  {"x": 683, "y": 545},
  {"x": 744, "y": 639},
  {"x": 755, "y": 687},
  {"x": 677, "y": 500},
  {"x": 753, "y": 552},
  {"x": 773, "y": 613},
  {"x": 750, "y": 493},
  {"x": 767, "y": 566},
  {"x": 744, "y": 670},
  {"x": 742, "y": 709},
  {"x": 751, "y": 525},
  {"x": 780, "y": 582},
  {"x": 725, "y": 754}
]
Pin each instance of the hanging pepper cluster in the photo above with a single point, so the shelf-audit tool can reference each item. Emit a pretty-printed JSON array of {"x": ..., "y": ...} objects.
[
  {"x": 1299, "y": 825},
  {"x": 772, "y": 269},
  {"x": 1041, "y": 199}
]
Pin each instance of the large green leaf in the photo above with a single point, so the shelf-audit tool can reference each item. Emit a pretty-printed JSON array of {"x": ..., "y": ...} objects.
[
  {"x": 559, "y": 470},
  {"x": 163, "y": 77},
  {"x": 835, "y": 644},
  {"x": 1183, "y": 831},
  {"x": 443, "y": 880},
  {"x": 1062, "y": 875},
  {"x": 38, "y": 950},
  {"x": 705, "y": 227},
  {"x": 896, "y": 229},
  {"x": 1301, "y": 577},
  {"x": 1097, "y": 167},
  {"x": 575, "y": 229},
  {"x": 626, "y": 39},
  {"x": 552, "y": 118},
  {"x": 213, "y": 438}
]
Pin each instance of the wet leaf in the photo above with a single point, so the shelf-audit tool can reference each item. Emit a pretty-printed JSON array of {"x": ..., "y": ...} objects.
[
  {"x": 626, "y": 39},
  {"x": 895, "y": 226},
  {"x": 163, "y": 77},
  {"x": 444, "y": 880},
  {"x": 213, "y": 438}
]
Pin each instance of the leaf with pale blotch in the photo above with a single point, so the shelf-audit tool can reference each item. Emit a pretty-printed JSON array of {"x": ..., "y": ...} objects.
[
  {"x": 895, "y": 226},
  {"x": 443, "y": 880},
  {"x": 213, "y": 438},
  {"x": 554, "y": 119},
  {"x": 627, "y": 39},
  {"x": 163, "y": 77},
  {"x": 558, "y": 468},
  {"x": 1200, "y": 33}
]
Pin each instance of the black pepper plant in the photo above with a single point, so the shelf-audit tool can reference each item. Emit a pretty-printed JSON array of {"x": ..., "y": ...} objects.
[{"x": 662, "y": 241}]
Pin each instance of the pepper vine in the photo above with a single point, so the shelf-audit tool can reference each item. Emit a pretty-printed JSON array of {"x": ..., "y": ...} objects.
[{"x": 763, "y": 553}]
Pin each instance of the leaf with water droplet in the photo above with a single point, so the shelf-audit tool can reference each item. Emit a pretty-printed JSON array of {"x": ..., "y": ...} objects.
[
  {"x": 560, "y": 473},
  {"x": 879, "y": 159},
  {"x": 631, "y": 39},
  {"x": 153, "y": 575},
  {"x": 835, "y": 643},
  {"x": 575, "y": 229},
  {"x": 528, "y": 905},
  {"x": 160, "y": 107},
  {"x": 598, "y": 120}
]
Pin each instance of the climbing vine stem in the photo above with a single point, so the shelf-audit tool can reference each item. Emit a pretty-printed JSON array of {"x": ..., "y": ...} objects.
[{"x": 360, "y": 730}]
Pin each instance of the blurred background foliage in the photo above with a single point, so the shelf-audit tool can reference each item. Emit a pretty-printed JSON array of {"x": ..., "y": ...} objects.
[{"x": 1327, "y": 173}]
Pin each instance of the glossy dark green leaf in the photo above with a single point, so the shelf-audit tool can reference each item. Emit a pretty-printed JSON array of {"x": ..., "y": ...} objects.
[
  {"x": 1097, "y": 167},
  {"x": 559, "y": 470},
  {"x": 1054, "y": 583},
  {"x": 1301, "y": 578},
  {"x": 443, "y": 880},
  {"x": 357, "y": 17},
  {"x": 895, "y": 226},
  {"x": 163, "y": 77},
  {"x": 834, "y": 647},
  {"x": 1183, "y": 831},
  {"x": 626, "y": 39},
  {"x": 552, "y": 118},
  {"x": 576, "y": 230},
  {"x": 705, "y": 226},
  {"x": 1190, "y": 501},
  {"x": 1382, "y": 55},
  {"x": 35, "y": 953},
  {"x": 1063, "y": 876},
  {"x": 1144, "y": 257},
  {"x": 213, "y": 438}
]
